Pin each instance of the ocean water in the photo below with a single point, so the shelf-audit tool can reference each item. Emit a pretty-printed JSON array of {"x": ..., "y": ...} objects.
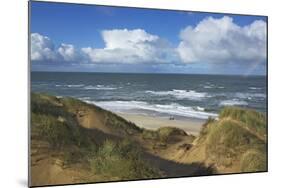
[{"x": 186, "y": 96}]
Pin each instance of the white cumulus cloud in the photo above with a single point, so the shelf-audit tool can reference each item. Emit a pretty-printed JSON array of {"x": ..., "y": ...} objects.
[
  {"x": 42, "y": 48},
  {"x": 222, "y": 41},
  {"x": 68, "y": 52},
  {"x": 212, "y": 41},
  {"x": 131, "y": 46}
]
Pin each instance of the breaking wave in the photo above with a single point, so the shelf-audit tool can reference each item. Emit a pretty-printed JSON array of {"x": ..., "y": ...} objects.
[
  {"x": 233, "y": 102},
  {"x": 169, "y": 109},
  {"x": 181, "y": 94}
]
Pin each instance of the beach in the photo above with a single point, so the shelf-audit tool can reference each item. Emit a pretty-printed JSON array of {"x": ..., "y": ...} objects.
[{"x": 189, "y": 125}]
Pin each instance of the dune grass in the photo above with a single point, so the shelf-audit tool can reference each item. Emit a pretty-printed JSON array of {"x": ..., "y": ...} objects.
[
  {"x": 113, "y": 121},
  {"x": 149, "y": 134},
  {"x": 252, "y": 119},
  {"x": 227, "y": 141},
  {"x": 54, "y": 120},
  {"x": 253, "y": 161},
  {"x": 121, "y": 160},
  {"x": 120, "y": 124},
  {"x": 165, "y": 134},
  {"x": 238, "y": 136},
  {"x": 54, "y": 124}
]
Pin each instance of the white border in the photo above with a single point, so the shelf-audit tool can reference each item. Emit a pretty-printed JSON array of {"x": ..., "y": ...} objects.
[{"x": 13, "y": 19}]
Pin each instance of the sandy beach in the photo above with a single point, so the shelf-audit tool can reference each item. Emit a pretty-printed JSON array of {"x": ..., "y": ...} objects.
[{"x": 190, "y": 126}]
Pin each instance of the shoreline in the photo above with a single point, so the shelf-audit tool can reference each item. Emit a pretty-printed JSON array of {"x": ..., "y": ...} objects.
[{"x": 189, "y": 125}]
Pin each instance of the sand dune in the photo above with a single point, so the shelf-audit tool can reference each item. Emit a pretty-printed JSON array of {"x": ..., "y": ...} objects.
[{"x": 75, "y": 142}]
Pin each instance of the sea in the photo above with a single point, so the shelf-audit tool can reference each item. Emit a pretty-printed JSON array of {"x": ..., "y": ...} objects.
[{"x": 176, "y": 95}]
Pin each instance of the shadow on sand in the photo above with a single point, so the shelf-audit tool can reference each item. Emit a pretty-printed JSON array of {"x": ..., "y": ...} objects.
[{"x": 174, "y": 169}]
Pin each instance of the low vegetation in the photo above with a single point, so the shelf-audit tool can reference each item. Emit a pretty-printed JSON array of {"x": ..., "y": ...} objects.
[
  {"x": 123, "y": 160},
  {"x": 110, "y": 149},
  {"x": 236, "y": 141},
  {"x": 253, "y": 161},
  {"x": 227, "y": 141},
  {"x": 165, "y": 134},
  {"x": 120, "y": 125},
  {"x": 250, "y": 119},
  {"x": 54, "y": 121}
]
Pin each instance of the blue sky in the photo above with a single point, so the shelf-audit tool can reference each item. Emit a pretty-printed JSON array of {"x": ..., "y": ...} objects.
[{"x": 62, "y": 32}]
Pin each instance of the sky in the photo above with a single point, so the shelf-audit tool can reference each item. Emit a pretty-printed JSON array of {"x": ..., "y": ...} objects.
[{"x": 90, "y": 38}]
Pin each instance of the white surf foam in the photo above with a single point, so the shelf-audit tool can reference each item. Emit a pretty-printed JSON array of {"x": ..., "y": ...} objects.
[
  {"x": 170, "y": 109},
  {"x": 233, "y": 102},
  {"x": 211, "y": 86},
  {"x": 249, "y": 95},
  {"x": 255, "y": 88},
  {"x": 99, "y": 87},
  {"x": 200, "y": 108},
  {"x": 208, "y": 87},
  {"x": 75, "y": 85},
  {"x": 181, "y": 94}
]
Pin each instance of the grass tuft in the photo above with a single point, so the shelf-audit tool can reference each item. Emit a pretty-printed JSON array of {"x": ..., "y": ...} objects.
[
  {"x": 253, "y": 120},
  {"x": 253, "y": 161},
  {"x": 121, "y": 160},
  {"x": 55, "y": 121}
]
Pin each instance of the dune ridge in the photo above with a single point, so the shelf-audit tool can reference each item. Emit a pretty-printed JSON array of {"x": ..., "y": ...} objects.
[{"x": 74, "y": 142}]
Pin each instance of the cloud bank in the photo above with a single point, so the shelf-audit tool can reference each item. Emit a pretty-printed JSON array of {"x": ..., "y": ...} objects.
[
  {"x": 213, "y": 41},
  {"x": 223, "y": 41},
  {"x": 131, "y": 46}
]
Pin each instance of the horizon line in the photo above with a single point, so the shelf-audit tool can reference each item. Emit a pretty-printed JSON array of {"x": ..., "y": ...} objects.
[{"x": 264, "y": 75}]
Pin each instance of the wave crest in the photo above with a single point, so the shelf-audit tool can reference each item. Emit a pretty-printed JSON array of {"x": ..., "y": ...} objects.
[
  {"x": 99, "y": 87},
  {"x": 170, "y": 109},
  {"x": 233, "y": 102},
  {"x": 181, "y": 94}
]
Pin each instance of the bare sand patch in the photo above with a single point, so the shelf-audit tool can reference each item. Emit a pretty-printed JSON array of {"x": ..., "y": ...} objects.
[{"x": 191, "y": 126}]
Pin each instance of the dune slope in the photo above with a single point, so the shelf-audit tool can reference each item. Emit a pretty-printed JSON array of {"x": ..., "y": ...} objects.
[
  {"x": 74, "y": 142},
  {"x": 236, "y": 142}
]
